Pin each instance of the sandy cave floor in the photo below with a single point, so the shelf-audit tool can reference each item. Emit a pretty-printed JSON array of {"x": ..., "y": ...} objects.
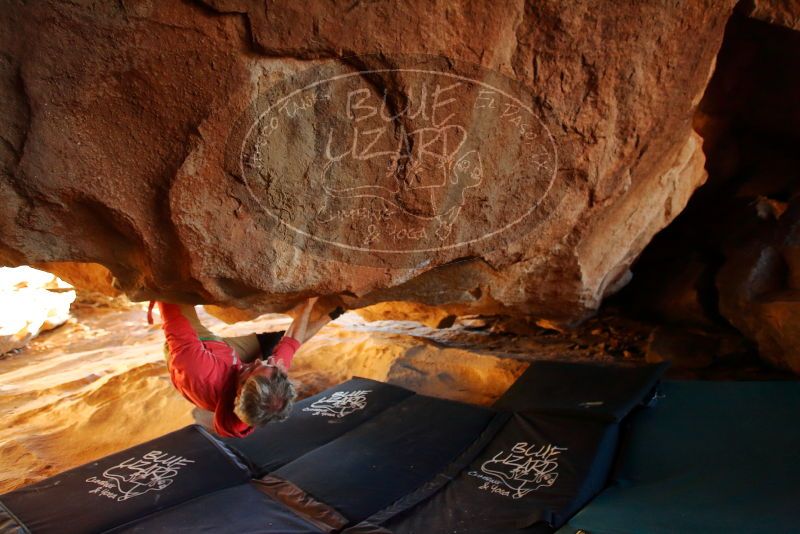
[{"x": 99, "y": 384}]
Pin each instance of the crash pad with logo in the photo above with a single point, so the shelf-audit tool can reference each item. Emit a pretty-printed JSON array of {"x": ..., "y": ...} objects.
[
  {"x": 316, "y": 421},
  {"x": 537, "y": 470},
  {"x": 550, "y": 458},
  {"x": 361, "y": 457},
  {"x": 388, "y": 456},
  {"x": 125, "y": 486}
]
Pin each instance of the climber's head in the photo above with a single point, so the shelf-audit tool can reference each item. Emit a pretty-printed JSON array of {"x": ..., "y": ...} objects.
[{"x": 264, "y": 393}]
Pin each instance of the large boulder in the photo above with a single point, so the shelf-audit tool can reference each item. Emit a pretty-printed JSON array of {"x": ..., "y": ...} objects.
[
  {"x": 780, "y": 12},
  {"x": 248, "y": 154},
  {"x": 759, "y": 289},
  {"x": 731, "y": 257}
]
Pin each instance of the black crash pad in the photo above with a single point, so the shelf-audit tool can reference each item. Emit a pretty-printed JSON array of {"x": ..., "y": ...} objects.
[
  {"x": 548, "y": 460},
  {"x": 536, "y": 472},
  {"x": 597, "y": 391},
  {"x": 388, "y": 456},
  {"x": 316, "y": 421},
  {"x": 364, "y": 457},
  {"x": 237, "y": 510},
  {"x": 128, "y": 485}
]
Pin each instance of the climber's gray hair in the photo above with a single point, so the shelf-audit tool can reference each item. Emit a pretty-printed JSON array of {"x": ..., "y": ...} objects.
[{"x": 261, "y": 399}]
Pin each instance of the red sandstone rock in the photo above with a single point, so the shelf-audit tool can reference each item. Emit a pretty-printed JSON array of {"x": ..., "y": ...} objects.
[
  {"x": 780, "y": 12},
  {"x": 431, "y": 316},
  {"x": 759, "y": 289},
  {"x": 118, "y": 121},
  {"x": 87, "y": 277}
]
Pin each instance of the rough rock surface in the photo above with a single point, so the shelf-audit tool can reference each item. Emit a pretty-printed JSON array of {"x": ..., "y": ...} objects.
[
  {"x": 781, "y": 12},
  {"x": 119, "y": 120},
  {"x": 731, "y": 257},
  {"x": 91, "y": 278},
  {"x": 407, "y": 311},
  {"x": 759, "y": 289}
]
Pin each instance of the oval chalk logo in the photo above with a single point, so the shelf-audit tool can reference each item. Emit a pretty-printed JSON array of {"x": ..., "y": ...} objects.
[{"x": 396, "y": 164}]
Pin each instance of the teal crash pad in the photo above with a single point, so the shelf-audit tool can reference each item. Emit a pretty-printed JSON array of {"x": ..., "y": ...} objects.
[{"x": 708, "y": 457}]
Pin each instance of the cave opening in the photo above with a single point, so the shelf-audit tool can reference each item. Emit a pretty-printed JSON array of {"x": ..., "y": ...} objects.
[{"x": 724, "y": 272}]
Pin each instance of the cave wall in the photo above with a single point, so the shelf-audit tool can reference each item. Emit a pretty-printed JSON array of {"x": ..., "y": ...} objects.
[
  {"x": 118, "y": 119},
  {"x": 731, "y": 260}
]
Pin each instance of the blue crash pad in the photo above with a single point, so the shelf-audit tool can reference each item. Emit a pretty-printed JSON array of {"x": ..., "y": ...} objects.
[{"x": 709, "y": 457}]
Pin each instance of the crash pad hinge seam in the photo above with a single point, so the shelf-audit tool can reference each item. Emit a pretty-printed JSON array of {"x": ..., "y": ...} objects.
[
  {"x": 439, "y": 480},
  {"x": 321, "y": 515},
  {"x": 228, "y": 453},
  {"x": 22, "y": 528}
]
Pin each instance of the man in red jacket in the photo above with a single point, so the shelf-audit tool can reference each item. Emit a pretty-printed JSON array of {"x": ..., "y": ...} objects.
[{"x": 226, "y": 376}]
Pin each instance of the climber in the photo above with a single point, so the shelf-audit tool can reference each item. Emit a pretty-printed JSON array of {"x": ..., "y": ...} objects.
[{"x": 242, "y": 380}]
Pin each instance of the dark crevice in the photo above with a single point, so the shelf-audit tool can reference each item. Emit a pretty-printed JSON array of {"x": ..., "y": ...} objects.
[{"x": 749, "y": 118}]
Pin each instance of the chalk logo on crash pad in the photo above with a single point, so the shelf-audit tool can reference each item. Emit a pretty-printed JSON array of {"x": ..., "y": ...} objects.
[
  {"x": 525, "y": 468},
  {"x": 153, "y": 471},
  {"x": 339, "y": 404}
]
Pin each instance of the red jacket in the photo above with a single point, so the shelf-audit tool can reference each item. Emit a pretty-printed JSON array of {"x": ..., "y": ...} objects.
[{"x": 205, "y": 371}]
